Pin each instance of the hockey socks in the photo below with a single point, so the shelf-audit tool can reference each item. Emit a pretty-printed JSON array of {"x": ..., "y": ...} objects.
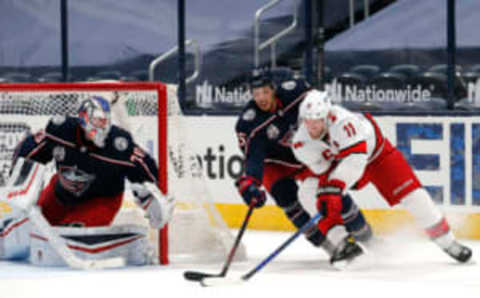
[
  {"x": 299, "y": 217},
  {"x": 429, "y": 217},
  {"x": 443, "y": 237},
  {"x": 354, "y": 220}
]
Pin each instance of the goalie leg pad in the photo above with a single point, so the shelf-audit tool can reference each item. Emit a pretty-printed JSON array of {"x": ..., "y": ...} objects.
[
  {"x": 20, "y": 193},
  {"x": 15, "y": 238},
  {"x": 128, "y": 241},
  {"x": 24, "y": 184}
]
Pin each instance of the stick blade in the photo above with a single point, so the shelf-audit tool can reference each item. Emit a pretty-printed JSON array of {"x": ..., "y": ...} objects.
[
  {"x": 220, "y": 281},
  {"x": 197, "y": 276},
  {"x": 109, "y": 263}
]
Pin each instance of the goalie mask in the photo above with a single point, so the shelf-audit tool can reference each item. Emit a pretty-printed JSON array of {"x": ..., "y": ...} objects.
[{"x": 94, "y": 114}]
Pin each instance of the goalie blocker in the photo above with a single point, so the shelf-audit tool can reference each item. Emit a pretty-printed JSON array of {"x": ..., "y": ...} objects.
[{"x": 21, "y": 235}]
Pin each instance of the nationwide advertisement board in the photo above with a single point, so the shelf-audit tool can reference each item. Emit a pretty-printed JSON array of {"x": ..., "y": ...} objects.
[{"x": 443, "y": 151}]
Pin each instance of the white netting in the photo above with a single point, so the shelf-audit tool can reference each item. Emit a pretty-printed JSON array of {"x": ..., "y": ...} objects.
[
  {"x": 194, "y": 210},
  {"x": 197, "y": 232}
]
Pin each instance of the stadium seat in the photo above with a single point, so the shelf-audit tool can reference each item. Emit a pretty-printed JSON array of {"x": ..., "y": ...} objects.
[
  {"x": 408, "y": 70},
  {"x": 328, "y": 74},
  {"x": 77, "y": 76},
  {"x": 367, "y": 70},
  {"x": 471, "y": 77},
  {"x": 51, "y": 77},
  {"x": 388, "y": 81},
  {"x": 17, "y": 77},
  {"x": 435, "y": 82},
  {"x": 108, "y": 75},
  {"x": 352, "y": 79},
  {"x": 296, "y": 64},
  {"x": 474, "y": 68},
  {"x": 460, "y": 83},
  {"x": 467, "y": 104},
  {"x": 430, "y": 104},
  {"x": 363, "y": 106},
  {"x": 442, "y": 68},
  {"x": 280, "y": 74},
  {"x": 128, "y": 79},
  {"x": 140, "y": 74},
  {"x": 93, "y": 79}
]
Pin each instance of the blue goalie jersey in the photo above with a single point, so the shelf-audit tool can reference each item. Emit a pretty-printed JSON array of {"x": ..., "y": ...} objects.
[{"x": 84, "y": 170}]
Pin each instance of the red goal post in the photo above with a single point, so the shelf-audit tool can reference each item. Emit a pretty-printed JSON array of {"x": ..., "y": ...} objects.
[{"x": 150, "y": 111}]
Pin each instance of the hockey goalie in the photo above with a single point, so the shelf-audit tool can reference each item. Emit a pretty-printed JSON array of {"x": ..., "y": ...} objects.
[{"x": 65, "y": 218}]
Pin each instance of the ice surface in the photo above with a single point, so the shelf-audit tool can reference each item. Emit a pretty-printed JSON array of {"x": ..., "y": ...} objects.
[{"x": 401, "y": 265}]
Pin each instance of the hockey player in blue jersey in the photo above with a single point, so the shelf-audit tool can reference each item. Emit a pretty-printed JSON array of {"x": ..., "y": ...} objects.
[
  {"x": 92, "y": 158},
  {"x": 264, "y": 130}
]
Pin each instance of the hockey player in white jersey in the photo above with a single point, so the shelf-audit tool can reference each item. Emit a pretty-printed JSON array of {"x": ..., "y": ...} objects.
[{"x": 347, "y": 151}]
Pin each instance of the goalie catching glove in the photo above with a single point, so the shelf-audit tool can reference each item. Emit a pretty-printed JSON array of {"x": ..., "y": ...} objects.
[
  {"x": 249, "y": 189},
  {"x": 158, "y": 207}
]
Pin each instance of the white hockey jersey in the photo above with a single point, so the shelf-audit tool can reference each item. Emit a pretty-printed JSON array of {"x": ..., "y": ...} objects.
[{"x": 350, "y": 142}]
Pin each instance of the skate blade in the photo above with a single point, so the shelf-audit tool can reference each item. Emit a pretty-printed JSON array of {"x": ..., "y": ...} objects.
[{"x": 362, "y": 261}]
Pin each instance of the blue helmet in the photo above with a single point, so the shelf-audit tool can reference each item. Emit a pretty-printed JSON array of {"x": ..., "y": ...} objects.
[
  {"x": 270, "y": 77},
  {"x": 260, "y": 78},
  {"x": 95, "y": 118}
]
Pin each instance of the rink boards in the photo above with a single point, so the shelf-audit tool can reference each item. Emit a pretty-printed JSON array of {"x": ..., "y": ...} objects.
[{"x": 443, "y": 150}]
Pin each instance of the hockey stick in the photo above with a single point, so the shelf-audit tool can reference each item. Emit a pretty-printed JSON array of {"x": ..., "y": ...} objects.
[
  {"x": 199, "y": 276},
  {"x": 60, "y": 246},
  {"x": 218, "y": 281}
]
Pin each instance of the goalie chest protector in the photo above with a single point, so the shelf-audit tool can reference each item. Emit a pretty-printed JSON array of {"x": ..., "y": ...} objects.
[{"x": 84, "y": 170}]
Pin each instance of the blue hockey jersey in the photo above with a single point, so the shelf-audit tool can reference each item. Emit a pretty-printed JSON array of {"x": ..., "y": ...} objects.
[
  {"x": 266, "y": 136},
  {"x": 84, "y": 170}
]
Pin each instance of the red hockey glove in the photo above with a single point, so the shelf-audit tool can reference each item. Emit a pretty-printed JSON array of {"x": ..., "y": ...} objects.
[
  {"x": 329, "y": 202},
  {"x": 248, "y": 187}
]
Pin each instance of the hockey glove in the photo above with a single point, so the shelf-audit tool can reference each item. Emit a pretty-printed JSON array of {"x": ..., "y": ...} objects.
[
  {"x": 158, "y": 207},
  {"x": 329, "y": 202},
  {"x": 248, "y": 187}
]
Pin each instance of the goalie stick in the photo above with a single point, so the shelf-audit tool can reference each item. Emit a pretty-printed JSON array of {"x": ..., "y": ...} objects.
[
  {"x": 199, "y": 276},
  {"x": 219, "y": 281}
]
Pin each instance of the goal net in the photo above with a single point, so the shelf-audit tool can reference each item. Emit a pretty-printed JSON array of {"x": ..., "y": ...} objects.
[{"x": 150, "y": 111}]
